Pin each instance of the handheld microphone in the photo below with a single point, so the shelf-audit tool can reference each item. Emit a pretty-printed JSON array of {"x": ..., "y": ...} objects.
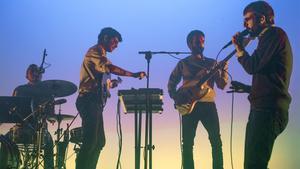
[
  {"x": 242, "y": 34},
  {"x": 41, "y": 68}
]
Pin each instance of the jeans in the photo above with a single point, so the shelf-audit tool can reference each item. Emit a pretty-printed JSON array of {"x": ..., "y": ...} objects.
[
  {"x": 262, "y": 129},
  {"x": 90, "y": 109},
  {"x": 205, "y": 112}
]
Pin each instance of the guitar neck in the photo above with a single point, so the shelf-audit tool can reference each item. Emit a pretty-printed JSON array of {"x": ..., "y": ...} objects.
[{"x": 215, "y": 69}]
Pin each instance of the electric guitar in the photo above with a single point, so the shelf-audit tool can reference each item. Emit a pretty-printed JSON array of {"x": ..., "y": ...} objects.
[{"x": 188, "y": 95}]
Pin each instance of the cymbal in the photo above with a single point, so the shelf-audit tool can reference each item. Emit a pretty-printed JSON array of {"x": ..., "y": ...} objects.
[
  {"x": 56, "y": 88},
  {"x": 61, "y": 117}
]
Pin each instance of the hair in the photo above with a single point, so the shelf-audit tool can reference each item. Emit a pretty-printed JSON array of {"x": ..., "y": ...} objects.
[
  {"x": 32, "y": 67},
  {"x": 261, "y": 8},
  {"x": 192, "y": 34},
  {"x": 108, "y": 33}
]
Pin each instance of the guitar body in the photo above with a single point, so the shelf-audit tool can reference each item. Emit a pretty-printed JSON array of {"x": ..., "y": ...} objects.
[{"x": 187, "y": 97}]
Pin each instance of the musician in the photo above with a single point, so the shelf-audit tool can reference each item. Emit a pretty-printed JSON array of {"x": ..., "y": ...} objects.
[
  {"x": 191, "y": 69},
  {"x": 270, "y": 66},
  {"x": 90, "y": 102},
  {"x": 29, "y": 128}
]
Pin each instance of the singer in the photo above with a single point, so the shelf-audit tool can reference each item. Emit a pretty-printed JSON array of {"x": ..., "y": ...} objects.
[
  {"x": 270, "y": 66},
  {"x": 92, "y": 95},
  {"x": 191, "y": 69}
]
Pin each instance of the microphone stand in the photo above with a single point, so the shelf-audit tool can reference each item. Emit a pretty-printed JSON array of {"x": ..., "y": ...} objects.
[{"x": 148, "y": 124}]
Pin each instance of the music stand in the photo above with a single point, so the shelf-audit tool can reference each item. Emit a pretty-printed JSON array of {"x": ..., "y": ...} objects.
[
  {"x": 14, "y": 109},
  {"x": 138, "y": 101}
]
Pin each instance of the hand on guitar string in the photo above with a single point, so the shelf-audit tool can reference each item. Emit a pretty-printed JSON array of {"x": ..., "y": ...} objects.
[
  {"x": 113, "y": 83},
  {"x": 239, "y": 87},
  {"x": 223, "y": 68},
  {"x": 139, "y": 75}
]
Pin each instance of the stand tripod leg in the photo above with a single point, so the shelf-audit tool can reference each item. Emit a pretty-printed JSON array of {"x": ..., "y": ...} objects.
[
  {"x": 138, "y": 126},
  {"x": 146, "y": 141},
  {"x": 38, "y": 145},
  {"x": 150, "y": 140}
]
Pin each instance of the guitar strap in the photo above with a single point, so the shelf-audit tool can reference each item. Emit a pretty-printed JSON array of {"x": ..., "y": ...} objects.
[{"x": 202, "y": 71}]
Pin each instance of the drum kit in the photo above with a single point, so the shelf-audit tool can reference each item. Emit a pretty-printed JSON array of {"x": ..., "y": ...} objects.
[{"x": 23, "y": 146}]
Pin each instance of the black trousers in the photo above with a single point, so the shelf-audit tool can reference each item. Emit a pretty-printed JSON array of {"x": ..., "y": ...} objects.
[
  {"x": 205, "y": 112},
  {"x": 262, "y": 129},
  {"x": 90, "y": 109}
]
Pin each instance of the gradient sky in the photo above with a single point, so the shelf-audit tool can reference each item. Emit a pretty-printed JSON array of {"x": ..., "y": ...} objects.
[{"x": 68, "y": 28}]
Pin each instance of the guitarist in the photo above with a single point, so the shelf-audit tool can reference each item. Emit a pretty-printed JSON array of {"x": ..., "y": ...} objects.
[
  {"x": 90, "y": 102},
  {"x": 191, "y": 69}
]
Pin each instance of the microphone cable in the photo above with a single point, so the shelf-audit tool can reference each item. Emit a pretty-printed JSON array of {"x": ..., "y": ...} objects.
[
  {"x": 231, "y": 118},
  {"x": 231, "y": 122},
  {"x": 120, "y": 135},
  {"x": 180, "y": 139}
]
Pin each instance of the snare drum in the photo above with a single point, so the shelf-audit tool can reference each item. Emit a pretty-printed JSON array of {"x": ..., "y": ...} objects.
[
  {"x": 9, "y": 154},
  {"x": 76, "y": 135}
]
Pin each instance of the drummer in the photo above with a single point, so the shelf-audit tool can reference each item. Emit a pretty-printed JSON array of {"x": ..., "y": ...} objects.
[{"x": 42, "y": 106}]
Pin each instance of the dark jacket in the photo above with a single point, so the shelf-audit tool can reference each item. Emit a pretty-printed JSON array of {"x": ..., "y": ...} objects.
[{"x": 271, "y": 67}]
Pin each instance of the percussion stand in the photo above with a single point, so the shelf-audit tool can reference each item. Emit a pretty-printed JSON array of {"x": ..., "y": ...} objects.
[
  {"x": 41, "y": 121},
  {"x": 60, "y": 161},
  {"x": 39, "y": 140}
]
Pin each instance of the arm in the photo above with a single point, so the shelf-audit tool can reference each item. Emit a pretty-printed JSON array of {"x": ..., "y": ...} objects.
[
  {"x": 267, "y": 47},
  {"x": 221, "y": 77},
  {"x": 174, "y": 79},
  {"x": 14, "y": 93},
  {"x": 122, "y": 72},
  {"x": 103, "y": 65}
]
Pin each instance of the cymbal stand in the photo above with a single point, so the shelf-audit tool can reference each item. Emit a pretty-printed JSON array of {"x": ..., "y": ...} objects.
[
  {"x": 32, "y": 154},
  {"x": 61, "y": 146},
  {"x": 56, "y": 142},
  {"x": 41, "y": 120}
]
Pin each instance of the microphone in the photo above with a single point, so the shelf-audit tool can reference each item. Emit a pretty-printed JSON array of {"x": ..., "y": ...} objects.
[
  {"x": 243, "y": 33},
  {"x": 60, "y": 101},
  {"x": 41, "y": 68}
]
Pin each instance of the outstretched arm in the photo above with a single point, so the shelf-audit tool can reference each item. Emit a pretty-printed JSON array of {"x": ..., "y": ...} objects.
[{"x": 122, "y": 72}]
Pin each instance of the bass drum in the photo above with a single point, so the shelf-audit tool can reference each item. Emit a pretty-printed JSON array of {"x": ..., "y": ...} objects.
[{"x": 9, "y": 154}]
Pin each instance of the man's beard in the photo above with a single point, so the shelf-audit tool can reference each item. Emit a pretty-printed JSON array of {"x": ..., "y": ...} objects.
[
  {"x": 255, "y": 32},
  {"x": 197, "y": 50}
]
